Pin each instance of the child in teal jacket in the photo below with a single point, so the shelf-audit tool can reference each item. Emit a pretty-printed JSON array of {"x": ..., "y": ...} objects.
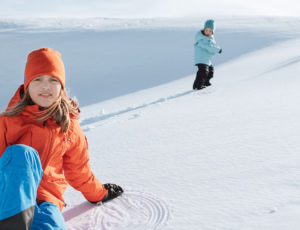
[{"x": 205, "y": 48}]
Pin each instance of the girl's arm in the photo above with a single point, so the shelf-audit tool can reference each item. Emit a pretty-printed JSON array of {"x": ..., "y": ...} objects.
[
  {"x": 77, "y": 169},
  {"x": 209, "y": 45}
]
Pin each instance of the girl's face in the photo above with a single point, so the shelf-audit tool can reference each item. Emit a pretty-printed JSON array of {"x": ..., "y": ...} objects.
[
  {"x": 44, "y": 90},
  {"x": 208, "y": 32}
]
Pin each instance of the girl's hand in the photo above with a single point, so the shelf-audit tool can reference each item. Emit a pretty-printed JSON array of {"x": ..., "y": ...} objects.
[{"x": 113, "y": 192}]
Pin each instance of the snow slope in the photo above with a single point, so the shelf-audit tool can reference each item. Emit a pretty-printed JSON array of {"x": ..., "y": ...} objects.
[
  {"x": 120, "y": 56},
  {"x": 223, "y": 158}
]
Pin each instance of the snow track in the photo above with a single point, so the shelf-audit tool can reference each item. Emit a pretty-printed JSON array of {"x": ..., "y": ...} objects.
[
  {"x": 132, "y": 112},
  {"x": 134, "y": 210},
  {"x": 131, "y": 109}
]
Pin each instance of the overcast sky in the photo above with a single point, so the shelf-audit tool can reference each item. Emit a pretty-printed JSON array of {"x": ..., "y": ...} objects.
[{"x": 146, "y": 8}]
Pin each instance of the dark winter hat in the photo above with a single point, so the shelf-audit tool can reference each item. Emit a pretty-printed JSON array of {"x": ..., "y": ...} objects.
[
  {"x": 210, "y": 23},
  {"x": 44, "y": 61}
]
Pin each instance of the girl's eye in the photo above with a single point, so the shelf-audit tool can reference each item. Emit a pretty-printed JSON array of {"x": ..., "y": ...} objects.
[
  {"x": 54, "y": 79},
  {"x": 36, "y": 79}
]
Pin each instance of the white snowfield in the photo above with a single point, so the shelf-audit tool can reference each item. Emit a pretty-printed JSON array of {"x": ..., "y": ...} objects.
[{"x": 226, "y": 157}]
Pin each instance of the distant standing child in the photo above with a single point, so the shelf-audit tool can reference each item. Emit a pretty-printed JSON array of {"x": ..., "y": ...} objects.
[
  {"x": 205, "y": 48},
  {"x": 43, "y": 149}
]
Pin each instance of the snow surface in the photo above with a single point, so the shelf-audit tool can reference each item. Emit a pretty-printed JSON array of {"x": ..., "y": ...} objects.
[
  {"x": 119, "y": 56},
  {"x": 223, "y": 158}
]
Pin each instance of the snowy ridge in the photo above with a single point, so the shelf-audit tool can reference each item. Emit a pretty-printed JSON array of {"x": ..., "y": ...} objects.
[
  {"x": 111, "y": 24},
  {"x": 97, "y": 50}
]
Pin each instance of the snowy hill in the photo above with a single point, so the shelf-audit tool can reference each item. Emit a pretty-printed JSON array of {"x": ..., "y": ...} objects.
[
  {"x": 222, "y": 158},
  {"x": 114, "y": 57}
]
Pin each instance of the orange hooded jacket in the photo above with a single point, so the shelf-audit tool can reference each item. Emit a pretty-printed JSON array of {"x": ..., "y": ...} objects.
[{"x": 64, "y": 156}]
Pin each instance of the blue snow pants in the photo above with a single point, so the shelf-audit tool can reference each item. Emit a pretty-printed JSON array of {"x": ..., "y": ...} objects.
[{"x": 20, "y": 175}]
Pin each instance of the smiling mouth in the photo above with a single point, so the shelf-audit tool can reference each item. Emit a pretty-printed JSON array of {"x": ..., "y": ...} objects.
[{"x": 45, "y": 95}]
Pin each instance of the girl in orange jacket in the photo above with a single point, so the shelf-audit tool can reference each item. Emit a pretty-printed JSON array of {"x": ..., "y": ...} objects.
[{"x": 42, "y": 149}]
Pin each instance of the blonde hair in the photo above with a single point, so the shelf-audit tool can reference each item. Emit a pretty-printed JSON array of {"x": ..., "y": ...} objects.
[{"x": 60, "y": 110}]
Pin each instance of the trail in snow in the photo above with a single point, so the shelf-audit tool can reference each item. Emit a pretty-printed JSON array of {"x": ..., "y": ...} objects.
[
  {"x": 130, "y": 109},
  {"x": 93, "y": 122},
  {"x": 133, "y": 210}
]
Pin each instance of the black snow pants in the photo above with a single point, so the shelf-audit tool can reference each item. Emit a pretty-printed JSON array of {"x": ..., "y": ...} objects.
[
  {"x": 204, "y": 74},
  {"x": 20, "y": 221}
]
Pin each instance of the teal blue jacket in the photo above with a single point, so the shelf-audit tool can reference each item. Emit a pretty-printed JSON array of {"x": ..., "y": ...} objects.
[{"x": 205, "y": 48}]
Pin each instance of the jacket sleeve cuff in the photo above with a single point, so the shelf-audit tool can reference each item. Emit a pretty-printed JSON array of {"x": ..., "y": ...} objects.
[{"x": 96, "y": 196}]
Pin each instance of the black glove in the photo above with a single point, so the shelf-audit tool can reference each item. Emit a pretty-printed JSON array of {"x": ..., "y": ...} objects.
[
  {"x": 220, "y": 51},
  {"x": 113, "y": 191}
]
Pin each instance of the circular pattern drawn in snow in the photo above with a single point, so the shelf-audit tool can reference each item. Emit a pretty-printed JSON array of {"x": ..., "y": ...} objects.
[{"x": 133, "y": 210}]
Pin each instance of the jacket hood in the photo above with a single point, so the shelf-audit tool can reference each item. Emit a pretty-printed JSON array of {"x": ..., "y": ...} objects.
[
  {"x": 16, "y": 97},
  {"x": 201, "y": 35}
]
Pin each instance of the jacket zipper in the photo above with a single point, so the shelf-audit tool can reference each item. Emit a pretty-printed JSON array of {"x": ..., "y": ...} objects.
[{"x": 48, "y": 147}]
